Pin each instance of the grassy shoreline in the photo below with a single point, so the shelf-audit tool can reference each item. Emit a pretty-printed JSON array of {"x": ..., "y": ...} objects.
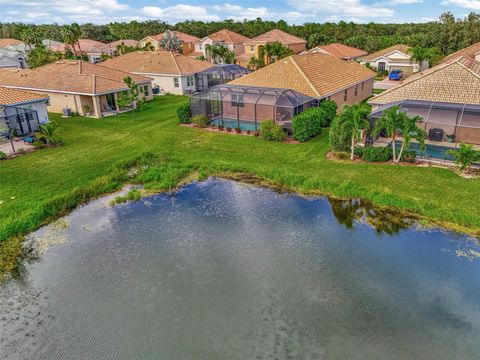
[{"x": 98, "y": 155}]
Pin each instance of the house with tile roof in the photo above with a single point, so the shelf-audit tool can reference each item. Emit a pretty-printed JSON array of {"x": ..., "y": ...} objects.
[
  {"x": 9, "y": 41},
  {"x": 170, "y": 72},
  {"x": 82, "y": 46},
  {"x": 472, "y": 51},
  {"x": 188, "y": 41},
  {"x": 446, "y": 96},
  {"x": 340, "y": 51},
  {"x": 254, "y": 46},
  {"x": 281, "y": 90},
  {"x": 318, "y": 75},
  {"x": 393, "y": 57},
  {"x": 84, "y": 88},
  {"x": 12, "y": 59},
  {"x": 230, "y": 39},
  {"x": 22, "y": 111},
  {"x": 111, "y": 49}
]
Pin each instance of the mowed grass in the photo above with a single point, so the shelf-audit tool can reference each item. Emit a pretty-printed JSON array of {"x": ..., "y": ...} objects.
[{"x": 97, "y": 154}]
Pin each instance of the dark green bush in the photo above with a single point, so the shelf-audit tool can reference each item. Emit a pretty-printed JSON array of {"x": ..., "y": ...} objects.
[
  {"x": 409, "y": 156},
  {"x": 3, "y": 156},
  {"x": 340, "y": 140},
  {"x": 330, "y": 109},
  {"x": 271, "y": 131},
  {"x": 308, "y": 124},
  {"x": 183, "y": 113},
  {"x": 358, "y": 151},
  {"x": 200, "y": 121},
  {"x": 377, "y": 154}
]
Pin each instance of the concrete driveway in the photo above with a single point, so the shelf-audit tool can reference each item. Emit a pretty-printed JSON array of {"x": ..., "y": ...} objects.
[{"x": 385, "y": 84}]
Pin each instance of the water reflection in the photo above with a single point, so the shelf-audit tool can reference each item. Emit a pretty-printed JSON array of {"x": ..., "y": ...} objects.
[
  {"x": 221, "y": 270},
  {"x": 384, "y": 221}
]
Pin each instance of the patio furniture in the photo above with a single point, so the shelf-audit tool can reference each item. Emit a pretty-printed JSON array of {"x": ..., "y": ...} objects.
[
  {"x": 29, "y": 139},
  {"x": 435, "y": 135}
]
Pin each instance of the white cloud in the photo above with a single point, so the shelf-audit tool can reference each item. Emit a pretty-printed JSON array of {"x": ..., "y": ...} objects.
[
  {"x": 403, "y": 2},
  {"x": 238, "y": 12},
  {"x": 179, "y": 12},
  {"x": 468, "y": 4},
  {"x": 341, "y": 8}
]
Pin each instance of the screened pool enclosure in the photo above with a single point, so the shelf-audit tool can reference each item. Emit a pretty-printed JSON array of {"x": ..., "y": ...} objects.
[
  {"x": 247, "y": 105},
  {"x": 219, "y": 74},
  {"x": 442, "y": 121}
]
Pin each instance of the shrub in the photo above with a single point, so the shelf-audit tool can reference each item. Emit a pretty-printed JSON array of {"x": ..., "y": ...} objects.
[
  {"x": 200, "y": 121},
  {"x": 3, "y": 156},
  {"x": 183, "y": 113},
  {"x": 229, "y": 129},
  {"x": 358, "y": 151},
  {"x": 377, "y": 154},
  {"x": 340, "y": 140},
  {"x": 271, "y": 131},
  {"x": 248, "y": 132},
  {"x": 329, "y": 108},
  {"x": 238, "y": 130},
  {"x": 465, "y": 156},
  {"x": 342, "y": 155},
  {"x": 220, "y": 127},
  {"x": 408, "y": 156},
  {"x": 308, "y": 124}
]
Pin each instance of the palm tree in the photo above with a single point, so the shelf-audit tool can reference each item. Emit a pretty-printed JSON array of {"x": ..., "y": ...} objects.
[
  {"x": 218, "y": 54},
  {"x": 390, "y": 122},
  {"x": 410, "y": 130},
  {"x": 71, "y": 35},
  {"x": 354, "y": 119},
  {"x": 422, "y": 56},
  {"x": 274, "y": 51},
  {"x": 29, "y": 36},
  {"x": 171, "y": 42}
]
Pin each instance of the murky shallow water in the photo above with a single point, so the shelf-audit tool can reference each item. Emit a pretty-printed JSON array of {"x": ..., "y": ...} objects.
[{"x": 222, "y": 270}]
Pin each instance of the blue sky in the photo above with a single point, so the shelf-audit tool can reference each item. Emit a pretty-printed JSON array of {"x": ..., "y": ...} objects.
[{"x": 293, "y": 11}]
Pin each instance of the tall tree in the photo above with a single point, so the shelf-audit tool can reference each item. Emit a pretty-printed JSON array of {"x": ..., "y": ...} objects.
[
  {"x": 171, "y": 42},
  {"x": 410, "y": 130},
  {"x": 391, "y": 123},
  {"x": 354, "y": 120},
  {"x": 71, "y": 36}
]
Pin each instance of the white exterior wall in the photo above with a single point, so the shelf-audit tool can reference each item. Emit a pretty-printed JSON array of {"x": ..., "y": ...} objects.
[
  {"x": 394, "y": 60},
  {"x": 40, "y": 107},
  {"x": 167, "y": 84}
]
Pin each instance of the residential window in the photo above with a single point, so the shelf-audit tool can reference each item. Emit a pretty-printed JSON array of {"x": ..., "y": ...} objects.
[
  {"x": 345, "y": 95},
  {"x": 189, "y": 81},
  {"x": 237, "y": 100},
  {"x": 252, "y": 47},
  {"x": 176, "y": 83},
  {"x": 200, "y": 46},
  {"x": 145, "y": 90},
  {"x": 363, "y": 86},
  {"x": 356, "y": 90}
]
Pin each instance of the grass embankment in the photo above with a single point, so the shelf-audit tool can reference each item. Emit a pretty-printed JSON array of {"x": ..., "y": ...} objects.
[{"x": 99, "y": 155}]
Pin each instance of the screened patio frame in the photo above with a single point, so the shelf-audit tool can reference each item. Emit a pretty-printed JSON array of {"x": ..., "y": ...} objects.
[
  {"x": 219, "y": 74},
  {"x": 284, "y": 103},
  {"x": 461, "y": 120}
]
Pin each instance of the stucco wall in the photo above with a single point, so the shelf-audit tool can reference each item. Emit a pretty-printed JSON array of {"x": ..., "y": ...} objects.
[
  {"x": 339, "y": 97},
  {"x": 298, "y": 48}
]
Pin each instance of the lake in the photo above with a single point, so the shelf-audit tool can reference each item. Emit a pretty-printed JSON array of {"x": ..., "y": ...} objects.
[{"x": 224, "y": 270}]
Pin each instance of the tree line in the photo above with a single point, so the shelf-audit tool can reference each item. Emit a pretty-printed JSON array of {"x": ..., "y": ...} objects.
[{"x": 448, "y": 34}]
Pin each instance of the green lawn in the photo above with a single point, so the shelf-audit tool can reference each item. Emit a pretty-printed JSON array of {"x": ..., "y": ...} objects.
[{"x": 36, "y": 187}]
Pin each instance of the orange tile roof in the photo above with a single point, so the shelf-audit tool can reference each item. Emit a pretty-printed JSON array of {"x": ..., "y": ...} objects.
[
  {"x": 157, "y": 62},
  {"x": 456, "y": 82},
  {"x": 69, "y": 76},
  {"x": 228, "y": 36},
  {"x": 316, "y": 74},
  {"x": 400, "y": 47},
  {"x": 470, "y": 51},
  {"x": 186, "y": 38},
  {"x": 112, "y": 46},
  {"x": 277, "y": 35},
  {"x": 340, "y": 51},
  {"x": 9, "y": 41},
  {"x": 85, "y": 45},
  {"x": 15, "y": 96}
]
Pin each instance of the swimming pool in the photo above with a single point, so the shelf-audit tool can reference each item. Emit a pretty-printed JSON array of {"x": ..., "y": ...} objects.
[
  {"x": 430, "y": 151},
  {"x": 244, "y": 125}
]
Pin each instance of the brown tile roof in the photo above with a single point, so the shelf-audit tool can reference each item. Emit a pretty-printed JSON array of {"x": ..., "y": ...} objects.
[
  {"x": 400, "y": 47},
  {"x": 112, "y": 46},
  {"x": 157, "y": 62},
  {"x": 10, "y": 41},
  {"x": 15, "y": 96},
  {"x": 340, "y": 51},
  {"x": 455, "y": 82},
  {"x": 317, "y": 75},
  {"x": 470, "y": 51},
  {"x": 228, "y": 36},
  {"x": 186, "y": 38},
  {"x": 85, "y": 45},
  {"x": 69, "y": 76},
  {"x": 277, "y": 35}
]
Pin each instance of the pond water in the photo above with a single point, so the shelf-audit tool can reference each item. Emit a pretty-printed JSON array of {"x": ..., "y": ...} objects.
[{"x": 223, "y": 270}]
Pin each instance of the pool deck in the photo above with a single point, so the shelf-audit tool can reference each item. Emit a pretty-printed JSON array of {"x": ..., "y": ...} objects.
[{"x": 384, "y": 142}]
